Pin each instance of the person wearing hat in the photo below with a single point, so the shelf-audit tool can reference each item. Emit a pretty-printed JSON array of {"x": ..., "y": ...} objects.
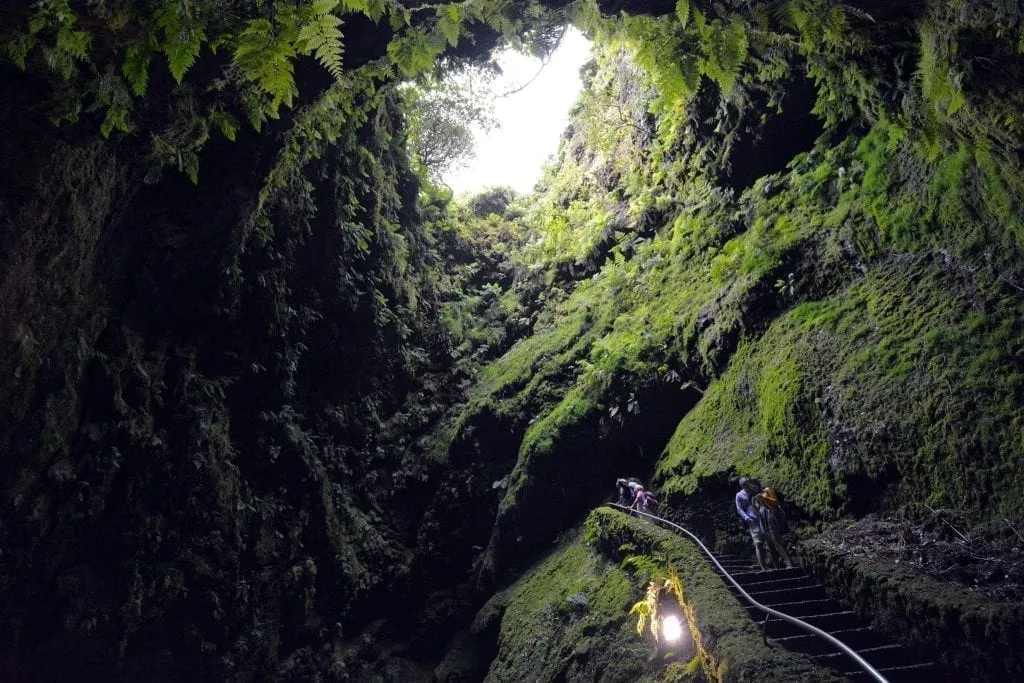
[{"x": 745, "y": 508}]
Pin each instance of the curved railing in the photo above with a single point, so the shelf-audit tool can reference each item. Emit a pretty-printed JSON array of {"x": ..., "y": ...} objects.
[{"x": 846, "y": 649}]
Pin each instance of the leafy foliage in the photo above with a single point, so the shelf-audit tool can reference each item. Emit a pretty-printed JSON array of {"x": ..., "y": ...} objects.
[
  {"x": 182, "y": 32},
  {"x": 445, "y": 111},
  {"x": 265, "y": 57},
  {"x": 659, "y": 279},
  {"x": 320, "y": 35},
  {"x": 108, "y": 66},
  {"x": 646, "y": 609}
]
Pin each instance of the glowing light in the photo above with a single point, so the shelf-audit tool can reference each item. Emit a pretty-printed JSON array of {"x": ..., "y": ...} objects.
[
  {"x": 671, "y": 628},
  {"x": 530, "y": 122}
]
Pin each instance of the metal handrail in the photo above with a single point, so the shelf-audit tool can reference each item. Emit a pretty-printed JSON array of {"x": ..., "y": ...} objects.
[{"x": 846, "y": 649}]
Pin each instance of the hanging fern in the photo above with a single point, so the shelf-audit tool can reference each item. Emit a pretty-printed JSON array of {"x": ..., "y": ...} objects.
[
  {"x": 683, "y": 11},
  {"x": 264, "y": 57},
  {"x": 182, "y": 35},
  {"x": 114, "y": 97},
  {"x": 263, "y": 39},
  {"x": 449, "y": 23},
  {"x": 320, "y": 35},
  {"x": 725, "y": 51},
  {"x": 136, "y": 67},
  {"x": 51, "y": 28}
]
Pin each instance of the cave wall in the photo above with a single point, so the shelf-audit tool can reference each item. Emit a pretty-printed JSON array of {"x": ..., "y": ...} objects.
[
  {"x": 193, "y": 479},
  {"x": 844, "y": 325},
  {"x": 828, "y": 327},
  {"x": 221, "y": 453}
]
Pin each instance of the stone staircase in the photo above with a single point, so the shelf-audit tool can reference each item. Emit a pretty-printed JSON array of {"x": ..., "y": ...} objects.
[{"x": 794, "y": 592}]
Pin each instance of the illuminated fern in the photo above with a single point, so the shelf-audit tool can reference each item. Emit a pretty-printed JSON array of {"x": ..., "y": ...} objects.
[
  {"x": 320, "y": 36},
  {"x": 647, "y": 609},
  {"x": 182, "y": 35},
  {"x": 265, "y": 58}
]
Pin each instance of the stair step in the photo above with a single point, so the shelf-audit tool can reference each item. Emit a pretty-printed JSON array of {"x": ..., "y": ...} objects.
[
  {"x": 779, "y": 583},
  {"x": 800, "y": 608},
  {"x": 792, "y": 594},
  {"x": 736, "y": 567},
  {"x": 882, "y": 655},
  {"x": 827, "y": 621},
  {"x": 757, "y": 574},
  {"x": 768, "y": 595},
  {"x": 910, "y": 673},
  {"x": 811, "y": 643}
]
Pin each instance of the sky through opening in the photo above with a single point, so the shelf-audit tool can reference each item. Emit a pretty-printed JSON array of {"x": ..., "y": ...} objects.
[{"x": 530, "y": 122}]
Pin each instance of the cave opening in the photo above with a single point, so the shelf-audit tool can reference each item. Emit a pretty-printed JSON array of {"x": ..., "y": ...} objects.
[{"x": 284, "y": 400}]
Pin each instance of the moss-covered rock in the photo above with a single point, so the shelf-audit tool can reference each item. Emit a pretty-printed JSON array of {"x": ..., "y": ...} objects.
[
  {"x": 973, "y": 636},
  {"x": 903, "y": 388},
  {"x": 825, "y": 326},
  {"x": 249, "y": 419},
  {"x": 568, "y": 617}
]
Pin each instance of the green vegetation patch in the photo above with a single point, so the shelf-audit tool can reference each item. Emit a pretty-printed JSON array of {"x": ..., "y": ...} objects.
[
  {"x": 568, "y": 617},
  {"x": 904, "y": 388}
]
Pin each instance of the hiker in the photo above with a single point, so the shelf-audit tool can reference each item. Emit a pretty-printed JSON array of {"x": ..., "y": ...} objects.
[
  {"x": 771, "y": 520},
  {"x": 745, "y": 508},
  {"x": 627, "y": 490},
  {"x": 645, "y": 501}
]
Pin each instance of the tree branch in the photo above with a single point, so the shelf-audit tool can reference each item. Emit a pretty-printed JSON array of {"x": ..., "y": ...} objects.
[{"x": 543, "y": 63}]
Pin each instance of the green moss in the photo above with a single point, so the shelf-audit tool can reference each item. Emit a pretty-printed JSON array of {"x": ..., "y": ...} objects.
[
  {"x": 568, "y": 617},
  {"x": 908, "y": 376},
  {"x": 663, "y": 278}
]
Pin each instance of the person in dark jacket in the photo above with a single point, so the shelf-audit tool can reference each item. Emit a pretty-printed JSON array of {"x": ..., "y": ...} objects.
[{"x": 627, "y": 490}]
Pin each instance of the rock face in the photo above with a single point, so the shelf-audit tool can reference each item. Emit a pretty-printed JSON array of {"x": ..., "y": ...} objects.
[
  {"x": 191, "y": 412},
  {"x": 242, "y": 437}
]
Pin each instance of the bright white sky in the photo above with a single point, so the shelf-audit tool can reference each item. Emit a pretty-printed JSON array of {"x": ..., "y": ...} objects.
[{"x": 530, "y": 122}]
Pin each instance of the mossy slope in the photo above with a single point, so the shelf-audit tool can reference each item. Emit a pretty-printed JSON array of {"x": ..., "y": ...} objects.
[
  {"x": 904, "y": 388},
  {"x": 567, "y": 618},
  {"x": 977, "y": 638},
  {"x": 842, "y": 327}
]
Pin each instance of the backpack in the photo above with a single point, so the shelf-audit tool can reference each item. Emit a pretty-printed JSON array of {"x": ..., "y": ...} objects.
[{"x": 771, "y": 500}]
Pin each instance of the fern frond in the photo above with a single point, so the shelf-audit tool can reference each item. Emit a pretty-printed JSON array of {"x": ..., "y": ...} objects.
[
  {"x": 357, "y": 5},
  {"x": 683, "y": 11},
  {"x": 321, "y": 36},
  {"x": 136, "y": 68},
  {"x": 18, "y": 49},
  {"x": 182, "y": 37},
  {"x": 225, "y": 123},
  {"x": 859, "y": 13},
  {"x": 266, "y": 59},
  {"x": 74, "y": 43}
]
